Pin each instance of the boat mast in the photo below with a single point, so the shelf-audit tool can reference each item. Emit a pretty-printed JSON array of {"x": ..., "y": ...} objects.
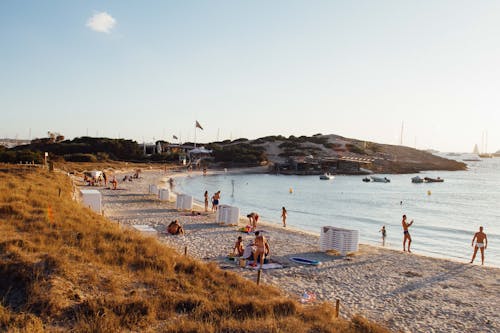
[{"x": 402, "y": 129}]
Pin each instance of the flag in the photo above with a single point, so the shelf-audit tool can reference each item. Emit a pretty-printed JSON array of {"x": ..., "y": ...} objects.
[
  {"x": 175, "y": 137},
  {"x": 198, "y": 125}
]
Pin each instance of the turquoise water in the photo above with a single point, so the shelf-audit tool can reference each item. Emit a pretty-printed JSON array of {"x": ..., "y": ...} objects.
[{"x": 445, "y": 220}]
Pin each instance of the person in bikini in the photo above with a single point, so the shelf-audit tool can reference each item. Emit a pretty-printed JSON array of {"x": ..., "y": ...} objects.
[
  {"x": 481, "y": 243},
  {"x": 253, "y": 218},
  {"x": 283, "y": 215},
  {"x": 262, "y": 247},
  {"x": 406, "y": 234},
  {"x": 206, "y": 200}
]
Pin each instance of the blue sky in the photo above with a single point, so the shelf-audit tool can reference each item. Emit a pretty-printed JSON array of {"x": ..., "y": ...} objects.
[{"x": 150, "y": 69}]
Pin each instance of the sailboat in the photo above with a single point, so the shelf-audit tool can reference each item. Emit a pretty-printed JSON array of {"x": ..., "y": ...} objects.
[
  {"x": 475, "y": 150},
  {"x": 484, "y": 154},
  {"x": 474, "y": 157}
]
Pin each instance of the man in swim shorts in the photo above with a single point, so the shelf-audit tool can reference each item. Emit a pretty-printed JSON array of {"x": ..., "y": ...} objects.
[
  {"x": 481, "y": 243},
  {"x": 406, "y": 234},
  {"x": 215, "y": 201}
]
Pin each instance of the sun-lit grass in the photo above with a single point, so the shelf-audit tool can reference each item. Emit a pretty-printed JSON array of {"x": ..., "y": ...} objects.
[{"x": 73, "y": 270}]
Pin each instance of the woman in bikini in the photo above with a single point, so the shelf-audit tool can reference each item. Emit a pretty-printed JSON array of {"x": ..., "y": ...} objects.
[{"x": 261, "y": 245}]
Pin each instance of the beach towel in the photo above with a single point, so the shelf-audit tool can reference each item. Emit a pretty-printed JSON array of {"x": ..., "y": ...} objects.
[{"x": 271, "y": 265}]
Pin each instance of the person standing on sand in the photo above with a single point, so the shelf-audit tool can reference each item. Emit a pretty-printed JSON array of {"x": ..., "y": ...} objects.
[
  {"x": 406, "y": 233},
  {"x": 283, "y": 215},
  {"x": 261, "y": 245},
  {"x": 481, "y": 243},
  {"x": 215, "y": 200},
  {"x": 206, "y": 200},
  {"x": 384, "y": 234}
]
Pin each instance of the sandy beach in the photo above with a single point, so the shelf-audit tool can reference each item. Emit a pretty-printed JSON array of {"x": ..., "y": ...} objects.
[{"x": 405, "y": 292}]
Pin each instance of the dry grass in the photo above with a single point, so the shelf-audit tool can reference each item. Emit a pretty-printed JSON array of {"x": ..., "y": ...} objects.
[{"x": 77, "y": 271}]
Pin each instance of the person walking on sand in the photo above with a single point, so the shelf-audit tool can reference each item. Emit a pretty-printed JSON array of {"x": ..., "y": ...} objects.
[
  {"x": 206, "y": 200},
  {"x": 481, "y": 243},
  {"x": 406, "y": 234},
  {"x": 384, "y": 234},
  {"x": 283, "y": 215}
]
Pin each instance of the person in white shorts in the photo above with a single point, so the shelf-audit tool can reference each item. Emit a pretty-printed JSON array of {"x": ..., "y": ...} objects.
[{"x": 481, "y": 243}]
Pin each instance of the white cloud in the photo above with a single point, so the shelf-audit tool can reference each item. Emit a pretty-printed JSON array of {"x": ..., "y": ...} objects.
[{"x": 101, "y": 22}]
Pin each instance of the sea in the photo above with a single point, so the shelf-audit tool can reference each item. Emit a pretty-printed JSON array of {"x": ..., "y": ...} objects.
[{"x": 446, "y": 215}]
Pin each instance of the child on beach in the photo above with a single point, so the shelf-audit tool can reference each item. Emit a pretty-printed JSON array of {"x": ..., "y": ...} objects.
[
  {"x": 384, "y": 234},
  {"x": 283, "y": 215},
  {"x": 238, "y": 247}
]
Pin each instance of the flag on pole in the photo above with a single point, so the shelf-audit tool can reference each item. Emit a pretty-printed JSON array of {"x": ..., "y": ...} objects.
[
  {"x": 175, "y": 137},
  {"x": 198, "y": 125}
]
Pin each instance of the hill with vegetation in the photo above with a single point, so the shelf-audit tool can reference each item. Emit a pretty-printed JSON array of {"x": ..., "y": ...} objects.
[
  {"x": 64, "y": 268},
  {"x": 385, "y": 158},
  {"x": 238, "y": 153}
]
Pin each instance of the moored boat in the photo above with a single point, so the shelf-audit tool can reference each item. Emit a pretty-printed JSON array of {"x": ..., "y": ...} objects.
[
  {"x": 380, "y": 179},
  {"x": 326, "y": 176},
  {"x": 433, "y": 180},
  {"x": 367, "y": 180},
  {"x": 417, "y": 180}
]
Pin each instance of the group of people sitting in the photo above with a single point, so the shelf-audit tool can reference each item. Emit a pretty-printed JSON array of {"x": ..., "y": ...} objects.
[
  {"x": 258, "y": 249},
  {"x": 174, "y": 228}
]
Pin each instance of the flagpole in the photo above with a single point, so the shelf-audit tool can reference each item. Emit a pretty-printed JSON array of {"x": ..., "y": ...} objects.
[{"x": 195, "y": 135}]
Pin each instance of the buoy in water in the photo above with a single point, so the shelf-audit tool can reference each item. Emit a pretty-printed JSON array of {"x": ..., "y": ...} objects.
[
  {"x": 290, "y": 190},
  {"x": 429, "y": 192}
]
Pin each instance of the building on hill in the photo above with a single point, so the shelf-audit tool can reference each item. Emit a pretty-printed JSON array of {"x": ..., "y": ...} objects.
[
  {"x": 11, "y": 143},
  {"x": 307, "y": 165}
]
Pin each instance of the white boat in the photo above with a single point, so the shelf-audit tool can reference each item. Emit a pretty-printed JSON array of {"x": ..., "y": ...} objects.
[
  {"x": 417, "y": 180},
  {"x": 380, "y": 179},
  {"x": 326, "y": 176}
]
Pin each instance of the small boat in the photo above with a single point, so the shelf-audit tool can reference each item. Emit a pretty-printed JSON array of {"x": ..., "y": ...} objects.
[
  {"x": 367, "y": 180},
  {"x": 305, "y": 261},
  {"x": 326, "y": 176},
  {"x": 433, "y": 180},
  {"x": 417, "y": 180},
  {"x": 381, "y": 179}
]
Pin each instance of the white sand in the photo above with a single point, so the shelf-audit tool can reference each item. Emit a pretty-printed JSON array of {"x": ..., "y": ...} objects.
[{"x": 405, "y": 292}]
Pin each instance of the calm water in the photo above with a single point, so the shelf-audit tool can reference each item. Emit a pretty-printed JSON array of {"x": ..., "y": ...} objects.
[{"x": 445, "y": 220}]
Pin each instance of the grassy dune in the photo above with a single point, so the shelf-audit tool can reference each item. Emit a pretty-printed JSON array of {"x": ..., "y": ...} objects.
[{"x": 64, "y": 268}]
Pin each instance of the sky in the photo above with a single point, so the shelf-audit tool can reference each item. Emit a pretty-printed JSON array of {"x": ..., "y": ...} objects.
[{"x": 148, "y": 70}]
